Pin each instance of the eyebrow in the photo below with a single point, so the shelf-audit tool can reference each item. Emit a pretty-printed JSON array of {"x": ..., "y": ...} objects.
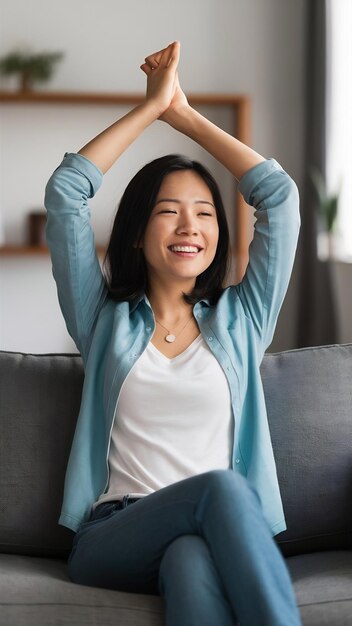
[{"x": 179, "y": 201}]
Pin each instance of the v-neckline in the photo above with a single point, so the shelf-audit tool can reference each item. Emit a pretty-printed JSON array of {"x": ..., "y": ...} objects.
[{"x": 179, "y": 356}]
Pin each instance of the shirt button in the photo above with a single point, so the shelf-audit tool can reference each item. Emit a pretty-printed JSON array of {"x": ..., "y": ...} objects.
[
  {"x": 228, "y": 368},
  {"x": 148, "y": 329},
  {"x": 210, "y": 338},
  {"x": 200, "y": 315},
  {"x": 238, "y": 461}
]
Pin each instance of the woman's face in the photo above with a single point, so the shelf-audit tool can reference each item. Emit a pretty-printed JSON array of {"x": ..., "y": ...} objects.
[{"x": 182, "y": 233}]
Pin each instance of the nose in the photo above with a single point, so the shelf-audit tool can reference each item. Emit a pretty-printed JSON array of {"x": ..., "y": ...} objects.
[{"x": 187, "y": 225}]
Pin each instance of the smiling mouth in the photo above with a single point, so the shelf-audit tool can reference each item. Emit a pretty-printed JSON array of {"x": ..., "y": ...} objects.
[{"x": 185, "y": 251}]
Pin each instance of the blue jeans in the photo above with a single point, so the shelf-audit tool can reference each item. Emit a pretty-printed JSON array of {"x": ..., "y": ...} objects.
[{"x": 201, "y": 543}]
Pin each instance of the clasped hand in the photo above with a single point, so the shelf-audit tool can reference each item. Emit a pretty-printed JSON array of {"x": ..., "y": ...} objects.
[{"x": 163, "y": 87}]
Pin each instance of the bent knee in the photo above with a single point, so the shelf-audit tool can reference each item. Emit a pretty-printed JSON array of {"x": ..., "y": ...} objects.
[
  {"x": 225, "y": 483},
  {"x": 225, "y": 479}
]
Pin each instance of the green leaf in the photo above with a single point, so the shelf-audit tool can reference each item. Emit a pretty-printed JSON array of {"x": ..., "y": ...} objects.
[{"x": 327, "y": 204}]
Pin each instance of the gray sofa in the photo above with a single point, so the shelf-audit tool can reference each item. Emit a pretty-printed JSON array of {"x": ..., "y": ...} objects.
[{"x": 309, "y": 400}]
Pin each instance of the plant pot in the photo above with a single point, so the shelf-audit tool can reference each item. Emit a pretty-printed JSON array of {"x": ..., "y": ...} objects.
[
  {"x": 328, "y": 246},
  {"x": 25, "y": 81}
]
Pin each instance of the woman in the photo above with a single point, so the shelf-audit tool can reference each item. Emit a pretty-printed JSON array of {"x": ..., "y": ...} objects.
[{"x": 171, "y": 485}]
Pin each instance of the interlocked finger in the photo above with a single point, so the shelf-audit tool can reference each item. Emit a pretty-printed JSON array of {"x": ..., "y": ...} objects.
[
  {"x": 153, "y": 60},
  {"x": 146, "y": 68},
  {"x": 162, "y": 58}
]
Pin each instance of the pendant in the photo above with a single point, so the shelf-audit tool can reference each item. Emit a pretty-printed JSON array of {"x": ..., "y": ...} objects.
[{"x": 170, "y": 338}]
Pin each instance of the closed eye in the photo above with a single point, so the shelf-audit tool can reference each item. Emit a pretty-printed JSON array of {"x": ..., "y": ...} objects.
[{"x": 203, "y": 213}]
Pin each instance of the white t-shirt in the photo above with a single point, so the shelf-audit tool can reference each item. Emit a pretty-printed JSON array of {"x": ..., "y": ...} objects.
[{"x": 173, "y": 420}]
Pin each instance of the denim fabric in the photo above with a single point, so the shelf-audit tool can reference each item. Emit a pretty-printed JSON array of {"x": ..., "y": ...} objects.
[
  {"x": 202, "y": 543},
  {"x": 104, "y": 509}
]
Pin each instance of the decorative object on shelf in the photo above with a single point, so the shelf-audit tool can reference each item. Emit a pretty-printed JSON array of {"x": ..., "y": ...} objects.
[
  {"x": 36, "y": 222},
  {"x": 327, "y": 204},
  {"x": 31, "y": 68}
]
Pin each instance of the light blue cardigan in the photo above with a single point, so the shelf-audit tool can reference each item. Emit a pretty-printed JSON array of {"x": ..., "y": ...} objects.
[{"x": 112, "y": 335}]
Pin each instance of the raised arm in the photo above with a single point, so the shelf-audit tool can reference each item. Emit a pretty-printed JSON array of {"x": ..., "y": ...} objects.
[{"x": 81, "y": 287}]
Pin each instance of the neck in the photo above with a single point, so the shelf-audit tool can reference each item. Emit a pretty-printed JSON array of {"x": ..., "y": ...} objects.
[{"x": 168, "y": 304}]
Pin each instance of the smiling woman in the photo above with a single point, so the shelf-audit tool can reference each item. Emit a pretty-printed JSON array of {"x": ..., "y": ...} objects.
[{"x": 173, "y": 429}]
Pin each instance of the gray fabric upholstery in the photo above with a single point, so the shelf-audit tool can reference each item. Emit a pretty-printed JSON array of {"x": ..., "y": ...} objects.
[
  {"x": 309, "y": 400},
  {"x": 39, "y": 402},
  {"x": 37, "y": 592},
  {"x": 323, "y": 587}
]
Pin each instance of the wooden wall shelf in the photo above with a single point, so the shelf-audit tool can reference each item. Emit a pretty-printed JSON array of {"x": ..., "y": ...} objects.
[
  {"x": 18, "y": 250},
  {"x": 23, "y": 250},
  {"x": 67, "y": 97}
]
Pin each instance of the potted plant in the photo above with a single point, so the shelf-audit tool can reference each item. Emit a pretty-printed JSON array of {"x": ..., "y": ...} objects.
[
  {"x": 30, "y": 67},
  {"x": 327, "y": 204}
]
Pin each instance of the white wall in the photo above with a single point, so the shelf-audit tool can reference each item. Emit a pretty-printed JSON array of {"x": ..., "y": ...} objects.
[{"x": 253, "y": 47}]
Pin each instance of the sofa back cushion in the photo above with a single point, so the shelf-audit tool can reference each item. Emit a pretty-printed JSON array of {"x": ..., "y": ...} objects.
[
  {"x": 39, "y": 403},
  {"x": 309, "y": 400}
]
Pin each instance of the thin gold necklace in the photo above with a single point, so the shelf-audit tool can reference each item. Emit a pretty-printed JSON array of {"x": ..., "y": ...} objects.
[{"x": 170, "y": 337}]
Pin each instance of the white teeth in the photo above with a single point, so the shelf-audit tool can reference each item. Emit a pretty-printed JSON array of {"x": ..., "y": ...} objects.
[{"x": 184, "y": 248}]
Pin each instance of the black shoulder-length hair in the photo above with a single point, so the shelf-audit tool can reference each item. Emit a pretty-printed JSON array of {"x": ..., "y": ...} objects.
[{"x": 125, "y": 267}]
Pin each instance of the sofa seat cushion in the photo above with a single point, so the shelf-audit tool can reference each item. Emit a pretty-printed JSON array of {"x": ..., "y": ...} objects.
[
  {"x": 323, "y": 587},
  {"x": 37, "y": 592}
]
